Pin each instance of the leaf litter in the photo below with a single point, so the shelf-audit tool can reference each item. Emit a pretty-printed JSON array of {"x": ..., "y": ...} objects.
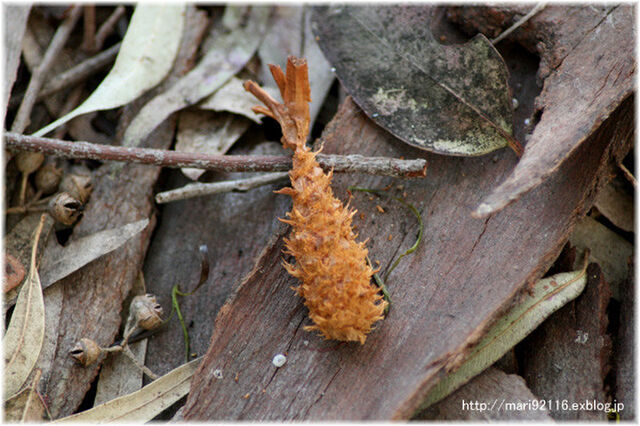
[
  {"x": 547, "y": 296},
  {"x": 24, "y": 336},
  {"x": 145, "y": 58},
  {"x": 231, "y": 49},
  {"x": 447, "y": 99}
]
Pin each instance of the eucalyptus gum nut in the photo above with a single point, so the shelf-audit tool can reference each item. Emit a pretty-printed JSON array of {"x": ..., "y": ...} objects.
[
  {"x": 29, "y": 162},
  {"x": 85, "y": 352},
  {"x": 147, "y": 311},
  {"x": 48, "y": 178},
  {"x": 65, "y": 209},
  {"x": 78, "y": 186}
]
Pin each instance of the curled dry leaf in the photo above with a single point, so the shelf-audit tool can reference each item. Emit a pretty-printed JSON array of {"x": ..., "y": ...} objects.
[
  {"x": 145, "y": 58},
  {"x": 448, "y": 99},
  {"x": 61, "y": 261},
  {"x": 24, "y": 336},
  {"x": 144, "y": 404},
  {"x": 228, "y": 54},
  {"x": 15, "y": 24},
  {"x": 547, "y": 296}
]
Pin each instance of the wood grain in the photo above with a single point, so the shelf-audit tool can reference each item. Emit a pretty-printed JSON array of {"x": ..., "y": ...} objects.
[{"x": 444, "y": 296}]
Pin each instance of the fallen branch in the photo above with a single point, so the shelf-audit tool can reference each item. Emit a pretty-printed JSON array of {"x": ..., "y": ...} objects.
[
  {"x": 199, "y": 189},
  {"x": 225, "y": 163}
]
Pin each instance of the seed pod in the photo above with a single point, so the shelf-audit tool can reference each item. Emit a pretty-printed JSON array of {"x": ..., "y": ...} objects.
[
  {"x": 48, "y": 178},
  {"x": 147, "y": 311},
  {"x": 86, "y": 352},
  {"x": 65, "y": 209},
  {"x": 29, "y": 162},
  {"x": 78, "y": 185}
]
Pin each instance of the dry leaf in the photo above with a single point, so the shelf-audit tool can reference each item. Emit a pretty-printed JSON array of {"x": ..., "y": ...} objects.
[
  {"x": 208, "y": 133},
  {"x": 59, "y": 261},
  {"x": 15, "y": 22},
  {"x": 14, "y": 273},
  {"x": 145, "y": 58},
  {"x": 229, "y": 53},
  {"x": 446, "y": 99},
  {"x": 548, "y": 295},
  {"x": 143, "y": 405},
  {"x": 26, "y": 406},
  {"x": 616, "y": 204},
  {"x": 607, "y": 248},
  {"x": 23, "y": 340},
  {"x": 233, "y": 98},
  {"x": 290, "y": 34}
]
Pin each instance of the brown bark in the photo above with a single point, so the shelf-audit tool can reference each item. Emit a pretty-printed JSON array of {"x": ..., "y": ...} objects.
[{"x": 443, "y": 296}]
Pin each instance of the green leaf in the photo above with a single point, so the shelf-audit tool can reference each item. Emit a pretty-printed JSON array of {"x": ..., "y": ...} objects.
[
  {"x": 145, "y": 58},
  {"x": 448, "y": 99},
  {"x": 144, "y": 404},
  {"x": 24, "y": 337},
  {"x": 228, "y": 55},
  {"x": 548, "y": 295}
]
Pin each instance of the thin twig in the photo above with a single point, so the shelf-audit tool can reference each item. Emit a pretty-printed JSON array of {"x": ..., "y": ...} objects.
[
  {"x": 628, "y": 174},
  {"x": 127, "y": 351},
  {"x": 107, "y": 27},
  {"x": 200, "y": 189},
  {"x": 225, "y": 163},
  {"x": 53, "y": 51},
  {"x": 72, "y": 101},
  {"x": 74, "y": 75},
  {"x": 521, "y": 21},
  {"x": 89, "y": 40}
]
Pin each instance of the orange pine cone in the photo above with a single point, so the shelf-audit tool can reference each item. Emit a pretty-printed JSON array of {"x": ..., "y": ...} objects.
[{"x": 336, "y": 279}]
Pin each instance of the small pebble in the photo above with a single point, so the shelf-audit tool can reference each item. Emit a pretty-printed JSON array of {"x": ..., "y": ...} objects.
[
  {"x": 514, "y": 101},
  {"x": 333, "y": 69},
  {"x": 217, "y": 374},
  {"x": 279, "y": 360},
  {"x": 527, "y": 121},
  {"x": 305, "y": 342}
]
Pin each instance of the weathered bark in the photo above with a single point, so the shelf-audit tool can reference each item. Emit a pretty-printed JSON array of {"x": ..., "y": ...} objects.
[
  {"x": 444, "y": 296},
  {"x": 588, "y": 68}
]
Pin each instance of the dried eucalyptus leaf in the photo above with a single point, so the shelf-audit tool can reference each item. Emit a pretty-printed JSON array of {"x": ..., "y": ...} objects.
[
  {"x": 23, "y": 407},
  {"x": 447, "y": 99},
  {"x": 208, "y": 133},
  {"x": 607, "y": 248},
  {"x": 145, "y": 404},
  {"x": 548, "y": 295},
  {"x": 24, "y": 336},
  {"x": 59, "y": 262},
  {"x": 616, "y": 204},
  {"x": 15, "y": 23},
  {"x": 290, "y": 34},
  {"x": 233, "y": 98},
  {"x": 228, "y": 55},
  {"x": 145, "y": 58}
]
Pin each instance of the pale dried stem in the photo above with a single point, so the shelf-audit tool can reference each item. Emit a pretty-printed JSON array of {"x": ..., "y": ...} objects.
[
  {"x": 518, "y": 23},
  {"x": 74, "y": 75},
  {"x": 37, "y": 77},
  {"x": 628, "y": 174},
  {"x": 200, "y": 189},
  {"x": 127, "y": 351},
  {"x": 381, "y": 166},
  {"x": 108, "y": 26}
]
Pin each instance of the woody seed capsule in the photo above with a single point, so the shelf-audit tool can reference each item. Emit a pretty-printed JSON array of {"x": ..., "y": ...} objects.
[
  {"x": 147, "y": 311},
  {"x": 85, "y": 351},
  {"x": 65, "y": 209},
  {"x": 48, "y": 178}
]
